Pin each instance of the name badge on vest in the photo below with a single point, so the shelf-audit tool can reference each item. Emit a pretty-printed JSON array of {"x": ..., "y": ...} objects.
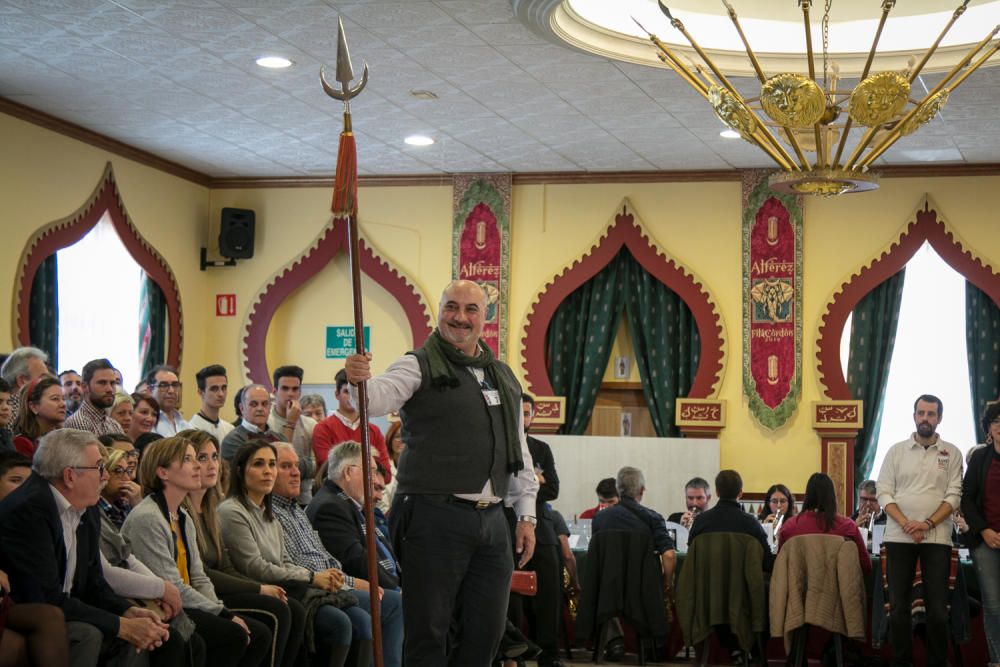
[{"x": 492, "y": 396}]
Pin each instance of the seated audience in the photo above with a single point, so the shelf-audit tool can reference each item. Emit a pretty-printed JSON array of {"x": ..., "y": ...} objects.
[
  {"x": 121, "y": 410},
  {"x": 123, "y": 443},
  {"x": 394, "y": 443},
  {"x": 145, "y": 440},
  {"x": 120, "y": 494},
  {"x": 238, "y": 406},
  {"x": 345, "y": 425},
  {"x": 55, "y": 508},
  {"x": 337, "y": 514},
  {"x": 314, "y": 406},
  {"x": 98, "y": 397},
  {"x": 629, "y": 514},
  {"x": 728, "y": 517},
  {"x": 607, "y": 495},
  {"x": 21, "y": 367},
  {"x": 72, "y": 385},
  {"x": 145, "y": 414},
  {"x": 257, "y": 547},
  {"x": 213, "y": 387},
  {"x": 256, "y": 408},
  {"x": 14, "y": 469},
  {"x": 981, "y": 506},
  {"x": 287, "y": 421},
  {"x": 6, "y": 418},
  {"x": 268, "y": 603},
  {"x": 868, "y": 506},
  {"x": 305, "y": 548},
  {"x": 161, "y": 535},
  {"x": 819, "y": 516},
  {"x": 778, "y": 502},
  {"x": 166, "y": 389},
  {"x": 696, "y": 496},
  {"x": 41, "y": 410}
]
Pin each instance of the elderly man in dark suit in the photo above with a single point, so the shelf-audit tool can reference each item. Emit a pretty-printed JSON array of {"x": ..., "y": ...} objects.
[
  {"x": 336, "y": 514},
  {"x": 50, "y": 528}
]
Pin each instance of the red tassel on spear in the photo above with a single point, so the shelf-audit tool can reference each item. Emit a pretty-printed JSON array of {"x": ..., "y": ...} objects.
[{"x": 345, "y": 205}]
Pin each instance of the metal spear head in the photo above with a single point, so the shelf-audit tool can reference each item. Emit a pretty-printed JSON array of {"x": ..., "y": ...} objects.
[{"x": 345, "y": 72}]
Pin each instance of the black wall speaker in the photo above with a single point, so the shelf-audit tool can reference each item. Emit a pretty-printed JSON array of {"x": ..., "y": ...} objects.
[{"x": 236, "y": 233}]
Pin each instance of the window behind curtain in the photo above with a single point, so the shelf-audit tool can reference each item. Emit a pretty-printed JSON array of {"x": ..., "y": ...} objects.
[
  {"x": 929, "y": 356},
  {"x": 99, "y": 286}
]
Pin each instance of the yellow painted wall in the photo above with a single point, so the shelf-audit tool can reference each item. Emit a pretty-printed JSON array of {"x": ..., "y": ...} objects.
[{"x": 552, "y": 225}]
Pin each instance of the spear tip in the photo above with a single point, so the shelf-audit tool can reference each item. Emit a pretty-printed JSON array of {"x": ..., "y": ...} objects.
[{"x": 345, "y": 72}]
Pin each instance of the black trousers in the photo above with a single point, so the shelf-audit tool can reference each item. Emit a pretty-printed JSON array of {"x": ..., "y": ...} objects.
[
  {"x": 934, "y": 564},
  {"x": 285, "y": 625},
  {"x": 456, "y": 563},
  {"x": 226, "y": 642},
  {"x": 545, "y": 607}
]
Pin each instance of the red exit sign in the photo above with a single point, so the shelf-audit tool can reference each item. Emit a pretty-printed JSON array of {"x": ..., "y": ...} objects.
[{"x": 225, "y": 305}]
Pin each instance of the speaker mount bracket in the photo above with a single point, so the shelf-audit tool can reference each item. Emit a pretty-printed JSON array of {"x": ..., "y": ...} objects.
[{"x": 206, "y": 263}]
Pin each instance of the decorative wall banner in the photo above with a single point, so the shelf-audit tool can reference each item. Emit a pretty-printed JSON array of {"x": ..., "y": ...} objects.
[
  {"x": 550, "y": 413},
  {"x": 837, "y": 415},
  {"x": 703, "y": 417},
  {"x": 772, "y": 300},
  {"x": 481, "y": 246}
]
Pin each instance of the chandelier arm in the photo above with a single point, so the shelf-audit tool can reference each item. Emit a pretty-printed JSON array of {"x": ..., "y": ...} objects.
[
  {"x": 668, "y": 57},
  {"x": 886, "y": 8},
  {"x": 927, "y": 56},
  {"x": 817, "y": 132},
  {"x": 895, "y": 134},
  {"x": 724, "y": 82}
]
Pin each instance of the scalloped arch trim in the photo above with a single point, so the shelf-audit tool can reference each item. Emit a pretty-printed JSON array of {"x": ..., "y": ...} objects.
[
  {"x": 54, "y": 236},
  {"x": 926, "y": 226},
  {"x": 312, "y": 260},
  {"x": 625, "y": 230}
]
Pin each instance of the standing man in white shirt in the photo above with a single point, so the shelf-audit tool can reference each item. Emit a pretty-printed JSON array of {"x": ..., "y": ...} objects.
[
  {"x": 461, "y": 413},
  {"x": 166, "y": 389},
  {"x": 920, "y": 486},
  {"x": 213, "y": 387}
]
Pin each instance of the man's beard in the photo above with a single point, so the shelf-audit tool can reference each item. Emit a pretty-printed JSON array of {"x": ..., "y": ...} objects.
[{"x": 925, "y": 429}]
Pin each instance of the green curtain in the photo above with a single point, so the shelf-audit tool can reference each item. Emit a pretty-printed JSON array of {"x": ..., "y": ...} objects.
[
  {"x": 43, "y": 310},
  {"x": 873, "y": 336},
  {"x": 152, "y": 325},
  {"x": 579, "y": 341},
  {"x": 982, "y": 338},
  {"x": 667, "y": 346}
]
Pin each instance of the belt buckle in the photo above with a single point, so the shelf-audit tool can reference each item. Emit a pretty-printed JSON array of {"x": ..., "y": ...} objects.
[{"x": 482, "y": 504}]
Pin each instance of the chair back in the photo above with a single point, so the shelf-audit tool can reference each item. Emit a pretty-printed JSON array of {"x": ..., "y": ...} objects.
[{"x": 721, "y": 582}]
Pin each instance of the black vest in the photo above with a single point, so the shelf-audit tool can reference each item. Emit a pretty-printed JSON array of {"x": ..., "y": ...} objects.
[{"x": 454, "y": 441}]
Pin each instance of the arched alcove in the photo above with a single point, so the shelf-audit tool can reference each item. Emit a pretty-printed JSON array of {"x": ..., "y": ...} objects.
[
  {"x": 54, "y": 236},
  {"x": 297, "y": 273},
  {"x": 626, "y": 231},
  {"x": 925, "y": 227}
]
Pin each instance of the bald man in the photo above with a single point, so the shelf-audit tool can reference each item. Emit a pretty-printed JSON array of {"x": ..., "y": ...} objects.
[{"x": 466, "y": 454}]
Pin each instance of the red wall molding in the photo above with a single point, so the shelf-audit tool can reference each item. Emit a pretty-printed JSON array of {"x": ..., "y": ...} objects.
[
  {"x": 64, "y": 233},
  {"x": 300, "y": 271},
  {"x": 625, "y": 232},
  {"x": 926, "y": 227}
]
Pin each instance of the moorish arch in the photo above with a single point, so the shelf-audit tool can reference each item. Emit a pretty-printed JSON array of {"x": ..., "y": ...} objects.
[
  {"x": 54, "y": 236},
  {"x": 926, "y": 226},
  {"x": 296, "y": 273},
  {"x": 626, "y": 230}
]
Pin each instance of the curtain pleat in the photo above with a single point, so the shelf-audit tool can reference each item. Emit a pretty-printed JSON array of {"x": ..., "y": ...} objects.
[
  {"x": 982, "y": 338},
  {"x": 873, "y": 336},
  {"x": 43, "y": 309},
  {"x": 152, "y": 325}
]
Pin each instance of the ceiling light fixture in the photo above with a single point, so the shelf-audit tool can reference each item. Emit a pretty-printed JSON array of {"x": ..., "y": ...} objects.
[
  {"x": 729, "y": 133},
  {"x": 418, "y": 140},
  {"x": 803, "y": 110},
  {"x": 273, "y": 62}
]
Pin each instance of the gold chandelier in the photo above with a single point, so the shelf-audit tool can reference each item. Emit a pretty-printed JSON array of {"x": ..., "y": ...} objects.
[{"x": 810, "y": 117}]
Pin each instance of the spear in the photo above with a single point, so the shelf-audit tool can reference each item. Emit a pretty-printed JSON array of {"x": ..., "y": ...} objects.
[{"x": 345, "y": 205}]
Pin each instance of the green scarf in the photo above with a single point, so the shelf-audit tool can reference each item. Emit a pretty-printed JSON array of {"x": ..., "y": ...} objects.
[{"x": 443, "y": 358}]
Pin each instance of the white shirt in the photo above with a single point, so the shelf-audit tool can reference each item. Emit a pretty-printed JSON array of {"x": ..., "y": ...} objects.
[
  {"x": 918, "y": 480},
  {"x": 166, "y": 428},
  {"x": 391, "y": 390},
  {"x": 219, "y": 429},
  {"x": 70, "y": 518}
]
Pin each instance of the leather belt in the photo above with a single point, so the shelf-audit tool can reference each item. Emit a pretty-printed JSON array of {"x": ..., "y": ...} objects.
[{"x": 475, "y": 504}]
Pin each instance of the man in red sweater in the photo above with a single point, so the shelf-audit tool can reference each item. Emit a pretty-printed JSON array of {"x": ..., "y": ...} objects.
[{"x": 344, "y": 425}]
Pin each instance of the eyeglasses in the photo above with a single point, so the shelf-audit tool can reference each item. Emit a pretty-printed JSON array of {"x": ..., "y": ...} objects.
[
  {"x": 205, "y": 458},
  {"x": 132, "y": 454},
  {"x": 163, "y": 386},
  {"x": 120, "y": 472},
  {"x": 99, "y": 468}
]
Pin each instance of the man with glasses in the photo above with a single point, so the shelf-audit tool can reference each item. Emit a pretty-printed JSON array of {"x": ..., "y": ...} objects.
[
  {"x": 256, "y": 406},
  {"x": 98, "y": 397},
  {"x": 166, "y": 389},
  {"x": 868, "y": 506},
  {"x": 51, "y": 535}
]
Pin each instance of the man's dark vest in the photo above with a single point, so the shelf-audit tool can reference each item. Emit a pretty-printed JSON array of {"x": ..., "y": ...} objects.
[{"x": 454, "y": 441}]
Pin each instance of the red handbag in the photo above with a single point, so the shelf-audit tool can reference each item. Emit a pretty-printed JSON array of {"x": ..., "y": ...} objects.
[{"x": 524, "y": 582}]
